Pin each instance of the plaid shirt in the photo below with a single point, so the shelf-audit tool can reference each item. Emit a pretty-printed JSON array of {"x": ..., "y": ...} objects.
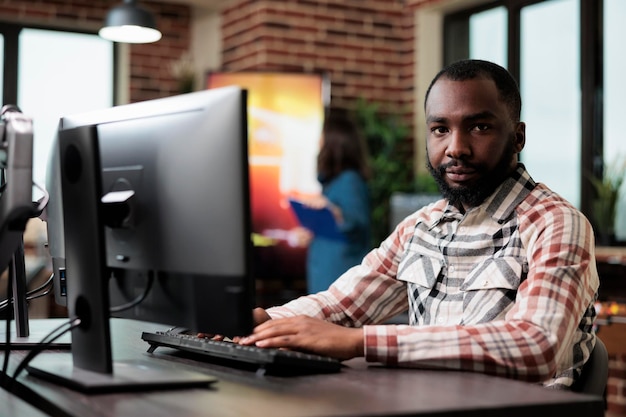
[{"x": 506, "y": 288}]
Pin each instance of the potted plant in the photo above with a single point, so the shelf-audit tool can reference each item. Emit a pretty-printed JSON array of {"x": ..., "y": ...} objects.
[
  {"x": 395, "y": 189},
  {"x": 184, "y": 71},
  {"x": 607, "y": 197},
  {"x": 392, "y": 170}
]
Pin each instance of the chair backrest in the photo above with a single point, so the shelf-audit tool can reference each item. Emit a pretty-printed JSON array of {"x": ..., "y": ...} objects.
[{"x": 595, "y": 373}]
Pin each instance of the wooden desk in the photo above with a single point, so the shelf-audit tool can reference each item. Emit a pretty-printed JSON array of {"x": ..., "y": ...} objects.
[
  {"x": 13, "y": 406},
  {"x": 359, "y": 390},
  {"x": 611, "y": 254}
]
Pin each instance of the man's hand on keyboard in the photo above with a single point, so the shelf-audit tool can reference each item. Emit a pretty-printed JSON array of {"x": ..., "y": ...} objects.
[
  {"x": 259, "y": 316},
  {"x": 307, "y": 334}
]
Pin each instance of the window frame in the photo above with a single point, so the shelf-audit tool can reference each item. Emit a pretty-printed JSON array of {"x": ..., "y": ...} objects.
[{"x": 11, "y": 32}]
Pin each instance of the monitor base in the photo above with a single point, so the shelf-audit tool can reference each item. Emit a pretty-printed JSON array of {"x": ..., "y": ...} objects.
[
  {"x": 38, "y": 330},
  {"x": 128, "y": 375}
]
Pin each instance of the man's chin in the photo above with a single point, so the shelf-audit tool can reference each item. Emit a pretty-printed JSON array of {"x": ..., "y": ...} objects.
[
  {"x": 460, "y": 187},
  {"x": 467, "y": 195}
]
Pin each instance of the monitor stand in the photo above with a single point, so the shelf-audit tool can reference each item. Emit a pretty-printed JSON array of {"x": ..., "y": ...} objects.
[
  {"x": 26, "y": 334},
  {"x": 23, "y": 334},
  {"x": 17, "y": 272}
]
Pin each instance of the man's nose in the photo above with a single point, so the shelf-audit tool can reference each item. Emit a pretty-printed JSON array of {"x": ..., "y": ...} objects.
[{"x": 458, "y": 145}]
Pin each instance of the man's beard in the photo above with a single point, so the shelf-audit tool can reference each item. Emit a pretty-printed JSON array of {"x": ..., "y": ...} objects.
[{"x": 474, "y": 195}]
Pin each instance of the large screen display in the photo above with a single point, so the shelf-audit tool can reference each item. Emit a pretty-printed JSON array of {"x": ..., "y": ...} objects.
[{"x": 285, "y": 118}]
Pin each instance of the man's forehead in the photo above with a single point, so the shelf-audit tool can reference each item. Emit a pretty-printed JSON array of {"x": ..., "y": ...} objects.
[
  {"x": 446, "y": 82},
  {"x": 446, "y": 92}
]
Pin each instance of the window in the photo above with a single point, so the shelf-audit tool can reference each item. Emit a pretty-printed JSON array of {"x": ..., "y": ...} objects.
[
  {"x": 570, "y": 77},
  {"x": 1, "y": 63},
  {"x": 488, "y": 35},
  {"x": 614, "y": 88},
  {"x": 550, "y": 87},
  {"x": 54, "y": 78}
]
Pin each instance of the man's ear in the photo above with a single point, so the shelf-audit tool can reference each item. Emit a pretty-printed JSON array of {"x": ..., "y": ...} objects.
[{"x": 520, "y": 136}]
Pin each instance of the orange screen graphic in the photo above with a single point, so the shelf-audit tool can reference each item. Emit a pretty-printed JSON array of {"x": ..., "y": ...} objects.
[{"x": 285, "y": 117}]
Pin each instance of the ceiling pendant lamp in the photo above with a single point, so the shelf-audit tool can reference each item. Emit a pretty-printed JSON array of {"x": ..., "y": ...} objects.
[{"x": 129, "y": 23}]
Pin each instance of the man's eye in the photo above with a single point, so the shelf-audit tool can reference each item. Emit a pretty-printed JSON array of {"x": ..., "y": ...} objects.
[
  {"x": 480, "y": 127},
  {"x": 438, "y": 130}
]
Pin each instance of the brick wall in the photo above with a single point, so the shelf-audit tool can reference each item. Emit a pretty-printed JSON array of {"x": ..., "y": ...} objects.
[
  {"x": 614, "y": 337},
  {"x": 365, "y": 47},
  {"x": 150, "y": 75},
  {"x": 616, "y": 388}
]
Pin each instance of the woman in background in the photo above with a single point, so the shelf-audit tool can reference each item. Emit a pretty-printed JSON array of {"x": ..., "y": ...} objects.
[{"x": 343, "y": 171}]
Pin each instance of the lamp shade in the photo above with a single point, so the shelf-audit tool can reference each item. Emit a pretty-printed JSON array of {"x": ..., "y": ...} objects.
[{"x": 130, "y": 23}]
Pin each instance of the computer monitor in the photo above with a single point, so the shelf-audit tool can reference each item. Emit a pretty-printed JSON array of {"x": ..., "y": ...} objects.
[{"x": 150, "y": 201}]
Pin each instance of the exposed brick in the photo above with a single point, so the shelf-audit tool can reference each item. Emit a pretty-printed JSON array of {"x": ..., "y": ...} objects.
[
  {"x": 365, "y": 47},
  {"x": 616, "y": 384}
]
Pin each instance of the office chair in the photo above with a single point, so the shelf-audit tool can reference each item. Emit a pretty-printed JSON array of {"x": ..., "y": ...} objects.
[{"x": 595, "y": 373}]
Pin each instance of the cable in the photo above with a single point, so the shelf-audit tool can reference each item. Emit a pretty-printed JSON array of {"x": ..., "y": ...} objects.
[
  {"x": 46, "y": 287},
  {"x": 42, "y": 202},
  {"x": 42, "y": 290},
  {"x": 42, "y": 294},
  {"x": 137, "y": 300},
  {"x": 71, "y": 324},
  {"x": 9, "y": 107}
]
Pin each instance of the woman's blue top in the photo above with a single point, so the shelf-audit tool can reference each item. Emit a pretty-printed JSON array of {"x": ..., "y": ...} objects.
[{"x": 327, "y": 259}]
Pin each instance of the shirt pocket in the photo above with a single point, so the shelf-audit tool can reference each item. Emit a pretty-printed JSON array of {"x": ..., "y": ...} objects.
[
  {"x": 490, "y": 287},
  {"x": 494, "y": 273},
  {"x": 419, "y": 269}
]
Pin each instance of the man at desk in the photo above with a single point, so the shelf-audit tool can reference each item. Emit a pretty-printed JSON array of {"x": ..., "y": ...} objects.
[{"x": 498, "y": 277}]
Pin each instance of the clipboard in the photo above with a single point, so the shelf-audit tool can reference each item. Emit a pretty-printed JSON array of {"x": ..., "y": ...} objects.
[{"x": 320, "y": 221}]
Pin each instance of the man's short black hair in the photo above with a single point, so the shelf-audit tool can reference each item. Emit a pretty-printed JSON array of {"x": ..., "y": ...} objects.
[{"x": 470, "y": 69}]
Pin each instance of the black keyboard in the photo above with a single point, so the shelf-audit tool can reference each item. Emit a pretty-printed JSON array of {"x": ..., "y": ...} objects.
[{"x": 270, "y": 361}]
